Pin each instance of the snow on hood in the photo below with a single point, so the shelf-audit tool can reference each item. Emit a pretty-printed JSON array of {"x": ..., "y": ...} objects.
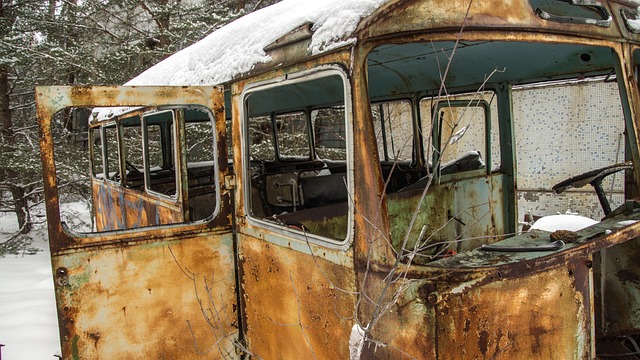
[
  {"x": 237, "y": 47},
  {"x": 570, "y": 222}
]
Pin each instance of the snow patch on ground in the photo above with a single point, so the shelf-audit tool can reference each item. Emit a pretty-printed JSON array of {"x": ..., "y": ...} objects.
[{"x": 28, "y": 320}]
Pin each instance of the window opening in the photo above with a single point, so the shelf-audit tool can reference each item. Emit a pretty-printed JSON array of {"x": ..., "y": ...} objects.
[
  {"x": 159, "y": 169},
  {"x": 292, "y": 134},
  {"x": 300, "y": 180},
  {"x": 393, "y": 123},
  {"x": 473, "y": 203},
  {"x": 329, "y": 133},
  {"x": 132, "y": 141},
  {"x": 262, "y": 145},
  {"x": 97, "y": 153},
  {"x": 113, "y": 161},
  {"x": 200, "y": 164},
  {"x": 460, "y": 133}
]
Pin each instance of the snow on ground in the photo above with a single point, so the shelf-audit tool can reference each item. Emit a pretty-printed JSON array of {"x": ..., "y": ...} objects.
[{"x": 28, "y": 321}]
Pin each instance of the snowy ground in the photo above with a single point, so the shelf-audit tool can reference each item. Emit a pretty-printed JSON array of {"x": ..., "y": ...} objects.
[{"x": 28, "y": 322}]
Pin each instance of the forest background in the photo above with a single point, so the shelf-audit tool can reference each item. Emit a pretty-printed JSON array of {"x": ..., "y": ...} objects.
[{"x": 80, "y": 42}]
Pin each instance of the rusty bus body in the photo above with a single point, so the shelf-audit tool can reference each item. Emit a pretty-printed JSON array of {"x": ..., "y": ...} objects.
[{"x": 341, "y": 196}]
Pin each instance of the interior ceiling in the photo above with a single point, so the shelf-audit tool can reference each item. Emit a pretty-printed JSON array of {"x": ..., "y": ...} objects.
[
  {"x": 396, "y": 70},
  {"x": 318, "y": 92},
  {"x": 400, "y": 70}
]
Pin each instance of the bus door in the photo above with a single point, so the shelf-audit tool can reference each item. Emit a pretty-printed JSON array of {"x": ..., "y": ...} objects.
[
  {"x": 155, "y": 277},
  {"x": 294, "y": 224}
]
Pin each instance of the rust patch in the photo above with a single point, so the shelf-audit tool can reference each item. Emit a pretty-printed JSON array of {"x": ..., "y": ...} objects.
[
  {"x": 288, "y": 296},
  {"x": 527, "y": 317},
  {"x": 483, "y": 342}
]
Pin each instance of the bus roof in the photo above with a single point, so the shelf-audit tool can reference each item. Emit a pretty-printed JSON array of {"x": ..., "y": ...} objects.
[
  {"x": 238, "y": 46},
  {"x": 250, "y": 44}
]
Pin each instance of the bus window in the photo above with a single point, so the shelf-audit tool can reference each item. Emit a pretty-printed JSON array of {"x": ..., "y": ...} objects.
[
  {"x": 153, "y": 146},
  {"x": 97, "y": 164},
  {"x": 199, "y": 142},
  {"x": 473, "y": 151},
  {"x": 328, "y": 133},
  {"x": 200, "y": 165},
  {"x": 262, "y": 146},
  {"x": 292, "y": 135},
  {"x": 145, "y": 145},
  {"x": 298, "y": 176},
  {"x": 160, "y": 169},
  {"x": 461, "y": 135},
  {"x": 393, "y": 123},
  {"x": 132, "y": 141},
  {"x": 466, "y": 136},
  {"x": 110, "y": 137}
]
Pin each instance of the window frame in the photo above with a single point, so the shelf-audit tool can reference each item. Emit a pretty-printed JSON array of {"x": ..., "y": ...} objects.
[
  {"x": 171, "y": 159},
  {"x": 385, "y": 156},
  {"x": 105, "y": 150},
  {"x": 94, "y": 134},
  {"x": 289, "y": 79},
  {"x": 436, "y": 133}
]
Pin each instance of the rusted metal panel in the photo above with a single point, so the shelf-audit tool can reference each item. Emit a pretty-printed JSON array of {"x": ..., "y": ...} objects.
[
  {"x": 546, "y": 315},
  {"x": 432, "y": 219},
  {"x": 408, "y": 329},
  {"x": 142, "y": 301},
  {"x": 297, "y": 305},
  {"x": 117, "y": 208},
  {"x": 433, "y": 15},
  {"x": 458, "y": 215},
  {"x": 617, "y": 283}
]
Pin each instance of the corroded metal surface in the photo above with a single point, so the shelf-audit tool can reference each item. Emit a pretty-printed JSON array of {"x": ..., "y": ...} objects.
[
  {"x": 142, "y": 301},
  {"x": 419, "y": 15},
  {"x": 545, "y": 315},
  {"x": 118, "y": 208},
  {"x": 297, "y": 305}
]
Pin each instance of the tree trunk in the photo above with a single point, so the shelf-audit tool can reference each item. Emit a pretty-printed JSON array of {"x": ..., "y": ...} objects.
[
  {"x": 7, "y": 136},
  {"x": 6, "y": 130},
  {"x": 21, "y": 206}
]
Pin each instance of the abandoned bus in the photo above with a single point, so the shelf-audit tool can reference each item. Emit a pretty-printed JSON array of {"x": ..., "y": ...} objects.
[{"x": 350, "y": 179}]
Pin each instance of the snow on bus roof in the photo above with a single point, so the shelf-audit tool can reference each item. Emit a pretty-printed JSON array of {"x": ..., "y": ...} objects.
[{"x": 238, "y": 46}]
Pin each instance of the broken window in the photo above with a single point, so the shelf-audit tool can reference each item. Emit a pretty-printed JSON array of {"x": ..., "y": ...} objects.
[
  {"x": 200, "y": 166},
  {"x": 297, "y": 140},
  {"x": 292, "y": 135},
  {"x": 478, "y": 140},
  {"x": 465, "y": 136},
  {"x": 132, "y": 140},
  {"x": 110, "y": 137},
  {"x": 329, "y": 133},
  {"x": 393, "y": 124}
]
